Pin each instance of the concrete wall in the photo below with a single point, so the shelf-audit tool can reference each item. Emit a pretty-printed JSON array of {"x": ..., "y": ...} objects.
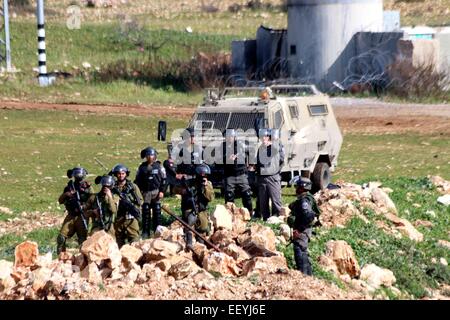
[
  {"x": 271, "y": 52},
  {"x": 243, "y": 57},
  {"x": 320, "y": 31},
  {"x": 444, "y": 45}
]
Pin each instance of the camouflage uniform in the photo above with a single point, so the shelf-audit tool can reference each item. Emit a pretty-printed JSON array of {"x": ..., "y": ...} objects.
[
  {"x": 109, "y": 210},
  {"x": 73, "y": 223},
  {"x": 304, "y": 211},
  {"x": 127, "y": 225},
  {"x": 198, "y": 195}
]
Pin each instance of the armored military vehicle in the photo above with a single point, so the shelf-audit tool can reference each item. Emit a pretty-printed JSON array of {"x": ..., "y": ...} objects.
[{"x": 304, "y": 116}]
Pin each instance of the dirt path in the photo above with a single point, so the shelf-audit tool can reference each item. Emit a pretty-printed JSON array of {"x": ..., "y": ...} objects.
[{"x": 354, "y": 115}]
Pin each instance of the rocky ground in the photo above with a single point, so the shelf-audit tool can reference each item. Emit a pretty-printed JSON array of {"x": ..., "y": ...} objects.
[{"x": 247, "y": 265}]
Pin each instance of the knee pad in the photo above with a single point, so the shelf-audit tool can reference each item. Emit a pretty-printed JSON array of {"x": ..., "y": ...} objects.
[
  {"x": 191, "y": 219},
  {"x": 157, "y": 207},
  {"x": 146, "y": 209},
  {"x": 229, "y": 196}
]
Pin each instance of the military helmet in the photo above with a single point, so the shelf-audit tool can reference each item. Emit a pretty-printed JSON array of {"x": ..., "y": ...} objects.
[
  {"x": 274, "y": 134},
  {"x": 191, "y": 131},
  {"x": 149, "y": 151},
  {"x": 78, "y": 173},
  {"x": 230, "y": 133},
  {"x": 304, "y": 183},
  {"x": 120, "y": 168},
  {"x": 203, "y": 170},
  {"x": 107, "y": 181},
  {"x": 264, "y": 133}
]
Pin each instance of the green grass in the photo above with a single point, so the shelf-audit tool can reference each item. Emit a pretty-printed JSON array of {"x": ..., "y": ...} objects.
[
  {"x": 99, "y": 45},
  {"x": 37, "y": 148}
]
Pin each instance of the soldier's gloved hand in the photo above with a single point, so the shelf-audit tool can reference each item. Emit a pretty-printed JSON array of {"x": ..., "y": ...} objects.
[{"x": 295, "y": 234}]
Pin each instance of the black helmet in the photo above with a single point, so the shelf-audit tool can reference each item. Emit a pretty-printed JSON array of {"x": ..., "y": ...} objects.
[
  {"x": 264, "y": 133},
  {"x": 78, "y": 173},
  {"x": 203, "y": 170},
  {"x": 120, "y": 168},
  {"x": 149, "y": 151},
  {"x": 191, "y": 131},
  {"x": 304, "y": 183},
  {"x": 107, "y": 181}
]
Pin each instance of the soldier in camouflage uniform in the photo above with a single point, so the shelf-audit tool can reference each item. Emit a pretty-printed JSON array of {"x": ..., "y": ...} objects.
[
  {"x": 73, "y": 223},
  {"x": 129, "y": 211},
  {"x": 102, "y": 207},
  {"x": 304, "y": 212},
  {"x": 196, "y": 195},
  {"x": 151, "y": 180}
]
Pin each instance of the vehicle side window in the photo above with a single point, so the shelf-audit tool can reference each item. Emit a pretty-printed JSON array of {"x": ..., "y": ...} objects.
[
  {"x": 293, "y": 110},
  {"x": 278, "y": 119},
  {"x": 318, "y": 110}
]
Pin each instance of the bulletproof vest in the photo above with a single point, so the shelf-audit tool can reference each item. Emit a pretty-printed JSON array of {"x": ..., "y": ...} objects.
[
  {"x": 304, "y": 216},
  {"x": 195, "y": 160},
  {"x": 238, "y": 166},
  {"x": 129, "y": 193},
  {"x": 107, "y": 214},
  {"x": 195, "y": 194},
  {"x": 270, "y": 159},
  {"x": 170, "y": 167},
  {"x": 149, "y": 177},
  {"x": 84, "y": 190}
]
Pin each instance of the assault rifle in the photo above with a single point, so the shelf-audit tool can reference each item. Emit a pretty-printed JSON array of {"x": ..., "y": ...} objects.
[
  {"x": 127, "y": 205},
  {"x": 79, "y": 207},
  {"x": 185, "y": 224},
  {"x": 100, "y": 212}
]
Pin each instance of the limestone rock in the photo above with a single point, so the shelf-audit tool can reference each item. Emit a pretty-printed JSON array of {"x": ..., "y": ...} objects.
[
  {"x": 221, "y": 263},
  {"x": 101, "y": 247},
  {"x": 328, "y": 264},
  {"x": 445, "y": 200},
  {"x": 222, "y": 237},
  {"x": 91, "y": 273},
  {"x": 6, "y": 268},
  {"x": 444, "y": 243},
  {"x": 239, "y": 226},
  {"x": 285, "y": 211},
  {"x": 130, "y": 253},
  {"x": 162, "y": 232},
  {"x": 199, "y": 251},
  {"x": 236, "y": 252},
  {"x": 441, "y": 184},
  {"x": 157, "y": 249},
  {"x": 423, "y": 223},
  {"x": 182, "y": 269},
  {"x": 343, "y": 256},
  {"x": 80, "y": 261},
  {"x": 45, "y": 260},
  {"x": 285, "y": 232},
  {"x": 261, "y": 265},
  {"x": 405, "y": 227},
  {"x": 26, "y": 254},
  {"x": 275, "y": 220},
  {"x": 259, "y": 240},
  {"x": 377, "y": 277},
  {"x": 222, "y": 218},
  {"x": 382, "y": 199}
]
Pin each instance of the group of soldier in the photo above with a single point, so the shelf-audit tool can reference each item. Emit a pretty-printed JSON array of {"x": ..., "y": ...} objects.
[{"x": 129, "y": 211}]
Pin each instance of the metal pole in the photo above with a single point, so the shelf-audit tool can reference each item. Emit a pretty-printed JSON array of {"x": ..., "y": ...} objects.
[
  {"x": 44, "y": 79},
  {"x": 7, "y": 43}
]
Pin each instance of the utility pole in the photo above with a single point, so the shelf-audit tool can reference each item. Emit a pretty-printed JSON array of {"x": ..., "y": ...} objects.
[
  {"x": 44, "y": 78},
  {"x": 5, "y": 55}
]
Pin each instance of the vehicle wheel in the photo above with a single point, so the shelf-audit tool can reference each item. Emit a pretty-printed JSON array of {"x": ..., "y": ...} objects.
[{"x": 321, "y": 176}]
